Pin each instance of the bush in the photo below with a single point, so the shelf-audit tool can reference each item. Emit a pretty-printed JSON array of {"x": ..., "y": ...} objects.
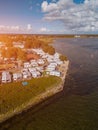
[{"x": 63, "y": 58}]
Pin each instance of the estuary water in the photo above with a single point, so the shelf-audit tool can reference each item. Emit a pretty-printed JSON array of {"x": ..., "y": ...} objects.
[
  {"x": 76, "y": 108},
  {"x": 83, "y": 55}
]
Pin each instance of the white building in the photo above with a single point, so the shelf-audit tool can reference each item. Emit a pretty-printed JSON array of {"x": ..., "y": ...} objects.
[
  {"x": 44, "y": 56},
  {"x": 40, "y": 61},
  {"x": 18, "y": 45},
  {"x": 26, "y": 75},
  {"x": 24, "y": 70},
  {"x": 6, "y": 77},
  {"x": 17, "y": 76},
  {"x": 59, "y": 62},
  {"x": 55, "y": 73},
  {"x": 56, "y": 55},
  {"x": 27, "y": 65},
  {"x": 35, "y": 74},
  {"x": 32, "y": 69},
  {"x": 53, "y": 64},
  {"x": 77, "y": 36},
  {"x": 39, "y": 51},
  {"x": 49, "y": 60},
  {"x": 40, "y": 68},
  {"x": 50, "y": 68},
  {"x": 34, "y": 63}
]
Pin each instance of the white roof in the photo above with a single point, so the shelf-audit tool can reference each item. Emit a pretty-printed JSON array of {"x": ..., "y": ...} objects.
[
  {"x": 55, "y": 73},
  {"x": 26, "y": 63},
  {"x": 32, "y": 69}
]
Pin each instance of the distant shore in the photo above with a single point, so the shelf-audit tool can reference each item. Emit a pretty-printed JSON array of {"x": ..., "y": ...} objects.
[{"x": 32, "y": 102}]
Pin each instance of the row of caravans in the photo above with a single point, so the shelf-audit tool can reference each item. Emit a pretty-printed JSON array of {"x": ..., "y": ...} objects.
[
  {"x": 34, "y": 69},
  {"x": 7, "y": 77},
  {"x": 27, "y": 73}
]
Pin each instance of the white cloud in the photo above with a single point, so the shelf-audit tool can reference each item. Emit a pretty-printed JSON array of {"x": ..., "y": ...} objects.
[
  {"x": 9, "y": 28},
  {"x": 75, "y": 17},
  {"x": 29, "y": 27},
  {"x": 13, "y": 27},
  {"x": 43, "y": 29},
  {"x": 46, "y": 30},
  {"x": 48, "y": 7},
  {"x": 16, "y": 29}
]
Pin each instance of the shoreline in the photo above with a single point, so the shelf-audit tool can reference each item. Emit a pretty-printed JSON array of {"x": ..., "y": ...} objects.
[{"x": 36, "y": 100}]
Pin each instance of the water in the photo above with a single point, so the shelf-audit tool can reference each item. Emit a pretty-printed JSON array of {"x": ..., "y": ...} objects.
[
  {"x": 76, "y": 108},
  {"x": 83, "y": 55}
]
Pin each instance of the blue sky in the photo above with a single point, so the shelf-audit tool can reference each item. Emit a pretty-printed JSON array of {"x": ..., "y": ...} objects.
[
  {"x": 51, "y": 16},
  {"x": 78, "y": 1}
]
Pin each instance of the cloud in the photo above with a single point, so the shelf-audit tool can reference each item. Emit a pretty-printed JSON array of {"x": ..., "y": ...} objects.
[
  {"x": 15, "y": 29},
  {"x": 75, "y": 17},
  {"x": 43, "y": 29},
  {"x": 48, "y": 7},
  {"x": 9, "y": 28},
  {"x": 29, "y": 27},
  {"x": 46, "y": 30}
]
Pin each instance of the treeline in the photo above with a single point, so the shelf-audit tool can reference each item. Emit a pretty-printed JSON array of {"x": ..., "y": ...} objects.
[
  {"x": 13, "y": 52},
  {"x": 36, "y": 43},
  {"x": 24, "y": 37},
  {"x": 29, "y": 41}
]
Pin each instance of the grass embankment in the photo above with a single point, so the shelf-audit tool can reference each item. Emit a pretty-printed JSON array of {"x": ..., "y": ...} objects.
[
  {"x": 72, "y": 112},
  {"x": 13, "y": 95}
]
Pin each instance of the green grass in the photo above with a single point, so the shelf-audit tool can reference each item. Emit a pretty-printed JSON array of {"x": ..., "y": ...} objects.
[
  {"x": 15, "y": 94},
  {"x": 72, "y": 112}
]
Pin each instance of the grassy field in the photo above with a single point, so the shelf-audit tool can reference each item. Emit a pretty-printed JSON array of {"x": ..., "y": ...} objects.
[
  {"x": 70, "y": 112},
  {"x": 15, "y": 94},
  {"x": 76, "y": 113}
]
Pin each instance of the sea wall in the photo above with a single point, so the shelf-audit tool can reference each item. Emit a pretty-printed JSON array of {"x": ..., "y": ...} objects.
[{"x": 42, "y": 96}]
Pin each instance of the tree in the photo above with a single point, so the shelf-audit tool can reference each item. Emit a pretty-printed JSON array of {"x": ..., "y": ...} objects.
[
  {"x": 14, "y": 52},
  {"x": 9, "y": 43},
  {"x": 28, "y": 44},
  {"x": 48, "y": 49},
  {"x": 51, "y": 50},
  {"x": 63, "y": 58},
  {"x": 9, "y": 52},
  {"x": 3, "y": 52},
  {"x": 21, "y": 55}
]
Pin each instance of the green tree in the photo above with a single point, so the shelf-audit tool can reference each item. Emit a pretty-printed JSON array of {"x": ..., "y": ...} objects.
[
  {"x": 21, "y": 55},
  {"x": 48, "y": 49},
  {"x": 28, "y": 44},
  {"x": 63, "y": 58},
  {"x": 9, "y": 43}
]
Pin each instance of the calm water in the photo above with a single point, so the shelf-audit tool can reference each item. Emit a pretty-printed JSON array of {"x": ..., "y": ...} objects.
[
  {"x": 75, "y": 108},
  {"x": 83, "y": 55}
]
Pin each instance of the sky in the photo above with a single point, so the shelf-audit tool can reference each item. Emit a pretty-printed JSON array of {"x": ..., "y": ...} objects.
[{"x": 49, "y": 16}]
